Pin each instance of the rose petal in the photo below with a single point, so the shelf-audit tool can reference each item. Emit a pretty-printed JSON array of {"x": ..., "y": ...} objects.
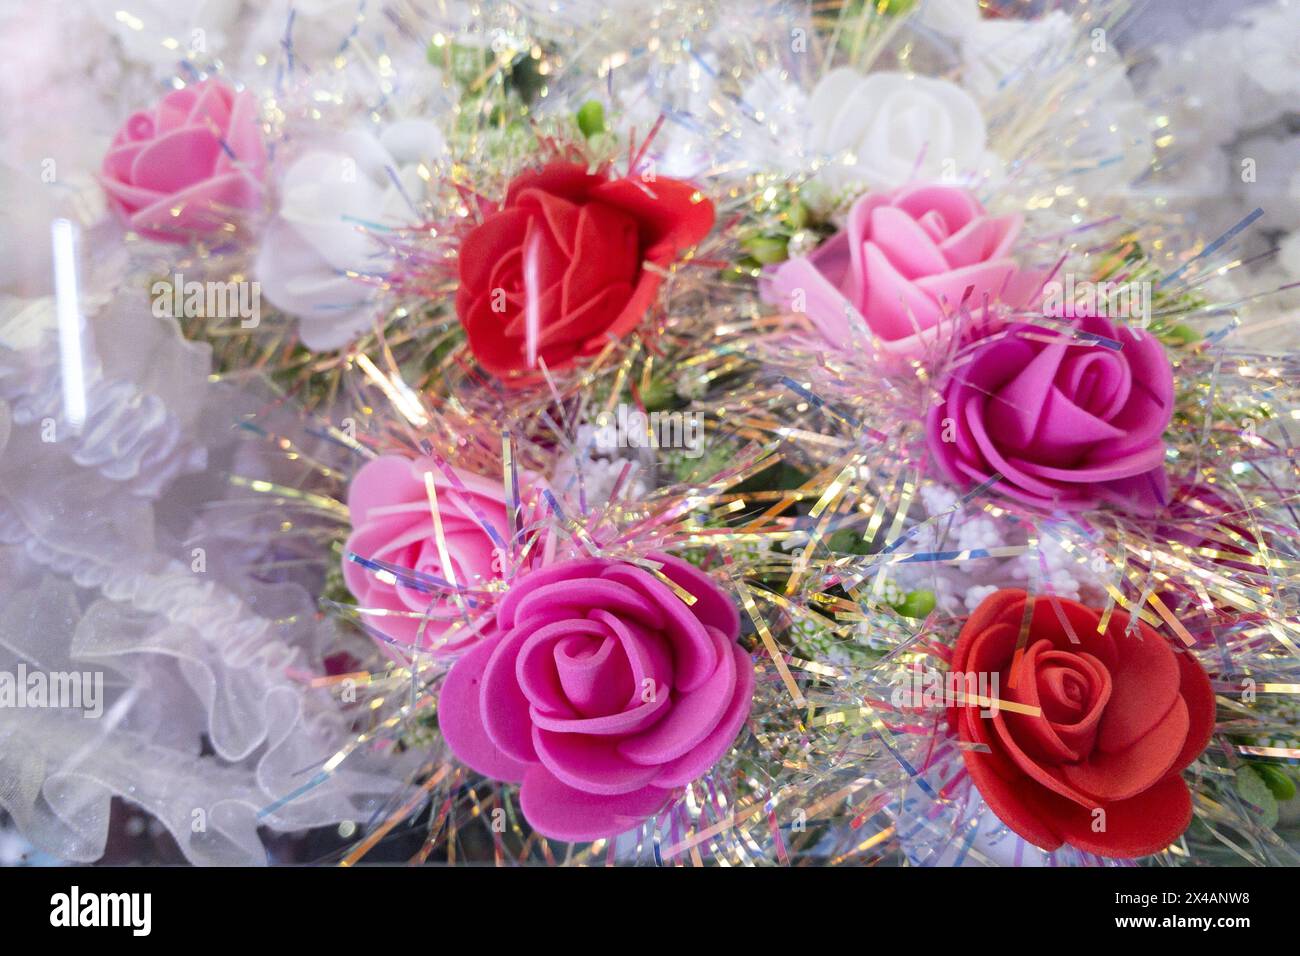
[
  {"x": 460, "y": 721},
  {"x": 630, "y": 721},
  {"x": 897, "y": 307},
  {"x": 994, "y": 609},
  {"x": 1015, "y": 410},
  {"x": 1081, "y": 735},
  {"x": 699, "y": 761},
  {"x": 1139, "y": 826},
  {"x": 694, "y": 655},
  {"x": 502, "y": 704},
  {"x": 647, "y": 652},
  {"x": 905, "y": 243},
  {"x": 1097, "y": 380},
  {"x": 590, "y": 763},
  {"x": 672, "y": 215},
  {"x": 536, "y": 670},
  {"x": 956, "y": 206},
  {"x": 1145, "y": 686},
  {"x": 633, "y": 314},
  {"x": 969, "y": 284},
  {"x": 245, "y": 148},
  {"x": 567, "y": 180},
  {"x": 1083, "y": 622},
  {"x": 596, "y": 316},
  {"x": 1021, "y": 473},
  {"x": 712, "y": 605},
  {"x": 575, "y": 598},
  {"x": 1016, "y": 801},
  {"x": 560, "y": 812},
  {"x": 379, "y": 482},
  {"x": 1065, "y": 432},
  {"x": 1035, "y": 732},
  {"x": 199, "y": 209},
  {"x": 606, "y": 253},
  {"x": 211, "y": 108},
  {"x": 595, "y": 676},
  {"x": 692, "y": 717},
  {"x": 176, "y": 160},
  {"x": 1097, "y": 468},
  {"x": 981, "y": 239},
  {"x": 1126, "y": 773},
  {"x": 485, "y": 245},
  {"x": 564, "y": 571},
  {"x": 1043, "y": 775},
  {"x": 561, "y": 216},
  {"x": 1196, "y": 692},
  {"x": 1143, "y": 494},
  {"x": 127, "y": 199},
  {"x": 819, "y": 280}
]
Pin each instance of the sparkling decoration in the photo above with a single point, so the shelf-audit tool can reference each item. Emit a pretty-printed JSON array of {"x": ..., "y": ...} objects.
[{"x": 261, "y": 477}]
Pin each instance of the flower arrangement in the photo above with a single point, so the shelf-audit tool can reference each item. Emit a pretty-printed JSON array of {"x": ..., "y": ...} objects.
[{"x": 713, "y": 449}]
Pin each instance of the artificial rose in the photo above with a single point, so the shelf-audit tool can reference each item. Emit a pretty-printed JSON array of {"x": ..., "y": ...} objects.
[
  {"x": 602, "y": 692},
  {"x": 190, "y": 166},
  {"x": 570, "y": 260},
  {"x": 314, "y": 249},
  {"x": 1115, "y": 718},
  {"x": 392, "y": 523},
  {"x": 885, "y": 129},
  {"x": 1069, "y": 418},
  {"x": 906, "y": 261}
]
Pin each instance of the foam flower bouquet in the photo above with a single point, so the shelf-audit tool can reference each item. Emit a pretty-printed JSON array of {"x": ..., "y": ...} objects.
[
  {"x": 1020, "y": 429},
  {"x": 743, "y": 434}
]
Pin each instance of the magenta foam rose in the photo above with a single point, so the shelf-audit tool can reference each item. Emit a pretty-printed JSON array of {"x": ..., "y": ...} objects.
[
  {"x": 1070, "y": 418},
  {"x": 188, "y": 167},
  {"x": 601, "y": 692},
  {"x": 906, "y": 261}
]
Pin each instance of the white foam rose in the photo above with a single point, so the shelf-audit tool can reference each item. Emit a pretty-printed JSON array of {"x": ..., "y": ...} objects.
[
  {"x": 885, "y": 129},
  {"x": 337, "y": 198}
]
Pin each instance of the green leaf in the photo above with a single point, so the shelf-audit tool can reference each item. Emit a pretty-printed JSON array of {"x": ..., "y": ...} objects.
[
  {"x": 1279, "y": 783},
  {"x": 1255, "y": 792}
]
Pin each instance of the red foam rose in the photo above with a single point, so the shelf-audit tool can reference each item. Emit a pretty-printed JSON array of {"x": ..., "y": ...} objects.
[
  {"x": 587, "y": 247},
  {"x": 1119, "y": 717}
]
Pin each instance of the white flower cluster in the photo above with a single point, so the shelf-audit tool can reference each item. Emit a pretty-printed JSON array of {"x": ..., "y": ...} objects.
[
  {"x": 1231, "y": 93},
  {"x": 959, "y": 587}
]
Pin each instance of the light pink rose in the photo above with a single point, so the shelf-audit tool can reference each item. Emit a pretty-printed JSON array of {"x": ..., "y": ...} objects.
[
  {"x": 906, "y": 261},
  {"x": 189, "y": 166},
  {"x": 392, "y": 526}
]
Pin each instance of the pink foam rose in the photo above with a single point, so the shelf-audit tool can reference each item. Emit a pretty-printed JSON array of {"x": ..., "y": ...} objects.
[
  {"x": 906, "y": 261},
  {"x": 190, "y": 165},
  {"x": 602, "y": 692},
  {"x": 392, "y": 524},
  {"x": 1069, "y": 419}
]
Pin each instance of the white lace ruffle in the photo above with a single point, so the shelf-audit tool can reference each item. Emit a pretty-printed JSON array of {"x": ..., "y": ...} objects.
[{"x": 208, "y": 719}]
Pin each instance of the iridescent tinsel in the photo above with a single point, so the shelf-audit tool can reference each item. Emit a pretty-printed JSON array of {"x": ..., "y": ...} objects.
[{"x": 815, "y": 500}]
